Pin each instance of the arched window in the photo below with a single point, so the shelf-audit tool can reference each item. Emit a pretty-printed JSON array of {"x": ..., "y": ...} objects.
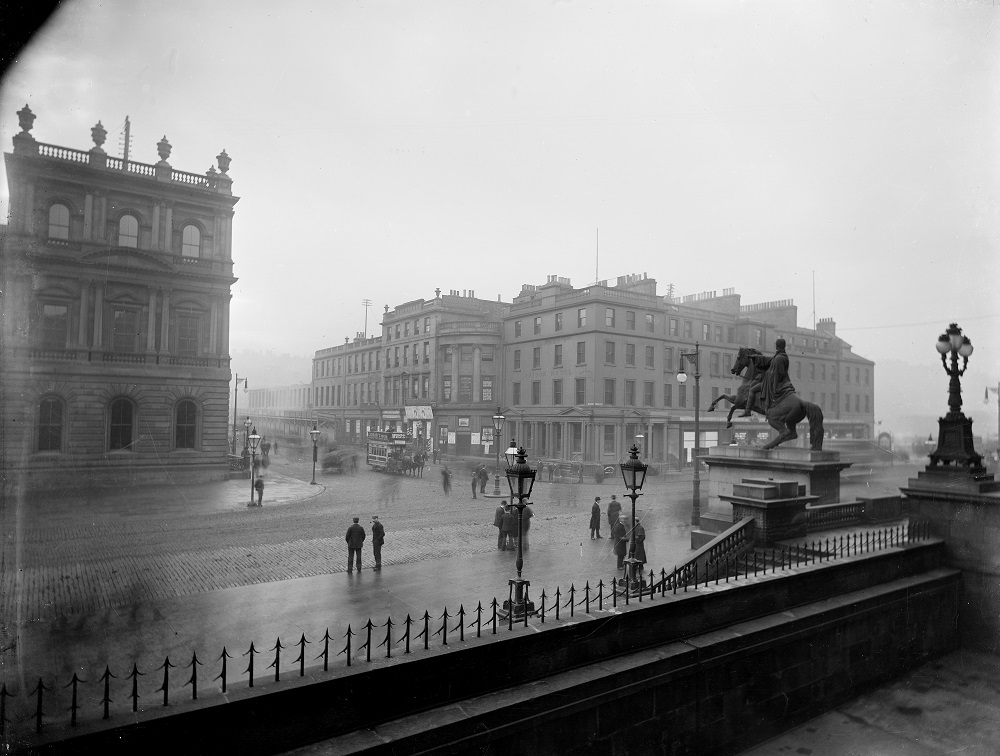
[
  {"x": 191, "y": 241},
  {"x": 186, "y": 425},
  {"x": 50, "y": 424},
  {"x": 128, "y": 231},
  {"x": 122, "y": 416},
  {"x": 58, "y": 222}
]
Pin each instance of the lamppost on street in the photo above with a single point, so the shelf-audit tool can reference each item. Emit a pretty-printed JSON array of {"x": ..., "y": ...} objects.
[
  {"x": 498, "y": 420},
  {"x": 520, "y": 479},
  {"x": 634, "y": 473},
  {"x": 253, "y": 440},
  {"x": 314, "y": 433},
  {"x": 694, "y": 359},
  {"x": 246, "y": 435},
  {"x": 955, "y": 443},
  {"x": 236, "y": 393}
]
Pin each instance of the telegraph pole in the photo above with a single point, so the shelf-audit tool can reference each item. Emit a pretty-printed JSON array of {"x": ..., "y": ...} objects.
[{"x": 367, "y": 303}]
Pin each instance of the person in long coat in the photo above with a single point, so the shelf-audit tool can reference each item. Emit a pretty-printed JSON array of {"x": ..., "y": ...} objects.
[
  {"x": 498, "y": 524},
  {"x": 509, "y": 528},
  {"x": 595, "y": 519},
  {"x": 525, "y": 525},
  {"x": 475, "y": 482},
  {"x": 614, "y": 510},
  {"x": 618, "y": 534},
  {"x": 378, "y": 538},
  {"x": 640, "y": 545},
  {"x": 355, "y": 537}
]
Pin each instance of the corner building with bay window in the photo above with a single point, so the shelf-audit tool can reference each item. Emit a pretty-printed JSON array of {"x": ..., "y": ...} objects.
[{"x": 115, "y": 336}]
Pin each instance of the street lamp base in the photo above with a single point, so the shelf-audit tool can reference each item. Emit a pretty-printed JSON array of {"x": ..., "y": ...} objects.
[
  {"x": 521, "y": 605},
  {"x": 313, "y": 483}
]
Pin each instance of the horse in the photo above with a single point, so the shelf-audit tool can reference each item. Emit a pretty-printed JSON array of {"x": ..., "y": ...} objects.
[
  {"x": 788, "y": 412},
  {"x": 739, "y": 400}
]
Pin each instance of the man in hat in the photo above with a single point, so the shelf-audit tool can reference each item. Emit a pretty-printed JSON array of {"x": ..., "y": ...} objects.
[
  {"x": 620, "y": 537},
  {"x": 498, "y": 524},
  {"x": 378, "y": 538},
  {"x": 614, "y": 510},
  {"x": 355, "y": 538},
  {"x": 595, "y": 519}
]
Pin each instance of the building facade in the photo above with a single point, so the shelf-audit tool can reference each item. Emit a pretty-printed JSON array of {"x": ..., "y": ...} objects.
[{"x": 117, "y": 279}]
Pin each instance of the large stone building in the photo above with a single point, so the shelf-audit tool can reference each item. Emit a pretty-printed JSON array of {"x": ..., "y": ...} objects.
[{"x": 115, "y": 336}]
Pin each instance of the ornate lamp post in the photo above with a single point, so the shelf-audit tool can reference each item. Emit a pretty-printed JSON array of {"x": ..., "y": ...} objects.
[
  {"x": 253, "y": 440},
  {"x": 694, "y": 359},
  {"x": 498, "y": 421},
  {"x": 955, "y": 444},
  {"x": 314, "y": 433},
  {"x": 246, "y": 434},
  {"x": 634, "y": 473},
  {"x": 520, "y": 479}
]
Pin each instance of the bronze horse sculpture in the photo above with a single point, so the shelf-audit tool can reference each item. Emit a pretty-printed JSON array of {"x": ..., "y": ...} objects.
[
  {"x": 739, "y": 399},
  {"x": 784, "y": 415}
]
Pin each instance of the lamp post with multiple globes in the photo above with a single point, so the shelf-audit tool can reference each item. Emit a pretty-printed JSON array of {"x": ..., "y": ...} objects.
[{"x": 955, "y": 443}]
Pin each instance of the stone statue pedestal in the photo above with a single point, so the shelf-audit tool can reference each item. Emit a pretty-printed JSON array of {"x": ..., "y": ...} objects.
[
  {"x": 818, "y": 471},
  {"x": 777, "y": 506}
]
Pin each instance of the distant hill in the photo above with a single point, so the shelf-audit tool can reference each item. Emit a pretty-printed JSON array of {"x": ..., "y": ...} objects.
[{"x": 271, "y": 369}]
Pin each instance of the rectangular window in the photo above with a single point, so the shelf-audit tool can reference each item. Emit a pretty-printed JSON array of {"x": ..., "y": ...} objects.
[
  {"x": 648, "y": 400},
  {"x": 581, "y": 391},
  {"x": 730, "y": 334},
  {"x": 517, "y": 393},
  {"x": 629, "y": 320},
  {"x": 630, "y": 393},
  {"x": 406, "y": 357},
  {"x": 536, "y": 358},
  {"x": 857, "y": 375},
  {"x": 517, "y": 359},
  {"x": 609, "y": 391},
  {"x": 673, "y": 327},
  {"x": 188, "y": 333},
  {"x": 581, "y": 317},
  {"x": 427, "y": 325},
  {"x": 668, "y": 359},
  {"x": 715, "y": 392},
  {"x": 517, "y": 328},
  {"x": 798, "y": 369},
  {"x": 54, "y": 326},
  {"x": 718, "y": 333},
  {"x": 867, "y": 377},
  {"x": 847, "y": 375},
  {"x": 727, "y": 363},
  {"x": 847, "y": 402},
  {"x": 868, "y": 403},
  {"x": 649, "y": 322},
  {"x": 609, "y": 439},
  {"x": 688, "y": 326},
  {"x": 124, "y": 330},
  {"x": 668, "y": 395},
  {"x": 557, "y": 356},
  {"x": 609, "y": 352},
  {"x": 427, "y": 354},
  {"x": 857, "y": 403},
  {"x": 576, "y": 437},
  {"x": 557, "y": 392},
  {"x": 50, "y": 423},
  {"x": 406, "y": 328},
  {"x": 559, "y": 321},
  {"x": 682, "y": 400},
  {"x": 630, "y": 355},
  {"x": 822, "y": 401},
  {"x": 714, "y": 362},
  {"x": 416, "y": 327},
  {"x": 395, "y": 356},
  {"x": 609, "y": 317},
  {"x": 822, "y": 372},
  {"x": 538, "y": 326},
  {"x": 650, "y": 357},
  {"x": 465, "y": 353},
  {"x": 426, "y": 383},
  {"x": 581, "y": 352},
  {"x": 812, "y": 371},
  {"x": 397, "y": 330}
]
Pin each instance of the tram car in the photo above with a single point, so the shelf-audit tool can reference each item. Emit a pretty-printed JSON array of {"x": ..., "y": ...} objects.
[{"x": 387, "y": 451}]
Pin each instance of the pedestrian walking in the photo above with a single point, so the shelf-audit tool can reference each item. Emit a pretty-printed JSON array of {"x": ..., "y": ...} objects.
[
  {"x": 620, "y": 537},
  {"x": 258, "y": 486},
  {"x": 378, "y": 538},
  {"x": 446, "y": 480},
  {"x": 526, "y": 516},
  {"x": 509, "y": 528},
  {"x": 483, "y": 479},
  {"x": 435, "y": 455},
  {"x": 355, "y": 537},
  {"x": 595, "y": 519},
  {"x": 614, "y": 510},
  {"x": 475, "y": 482},
  {"x": 276, "y": 448},
  {"x": 498, "y": 524},
  {"x": 551, "y": 465}
]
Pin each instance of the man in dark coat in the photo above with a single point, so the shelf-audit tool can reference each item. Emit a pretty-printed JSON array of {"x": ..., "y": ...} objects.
[
  {"x": 484, "y": 478},
  {"x": 475, "y": 482},
  {"x": 525, "y": 525},
  {"x": 595, "y": 519},
  {"x": 640, "y": 545},
  {"x": 620, "y": 538},
  {"x": 378, "y": 538},
  {"x": 355, "y": 538},
  {"x": 498, "y": 524},
  {"x": 509, "y": 528},
  {"x": 614, "y": 510}
]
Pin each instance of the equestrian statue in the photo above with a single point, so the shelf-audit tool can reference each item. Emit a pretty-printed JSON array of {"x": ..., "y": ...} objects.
[{"x": 767, "y": 390}]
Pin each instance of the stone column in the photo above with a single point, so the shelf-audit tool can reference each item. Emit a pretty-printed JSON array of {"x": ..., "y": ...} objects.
[
  {"x": 88, "y": 211},
  {"x": 29, "y": 208},
  {"x": 165, "y": 323},
  {"x": 98, "y": 340},
  {"x": 156, "y": 227},
  {"x": 225, "y": 326},
  {"x": 213, "y": 330},
  {"x": 477, "y": 369},
  {"x": 168, "y": 229},
  {"x": 151, "y": 323},
  {"x": 454, "y": 372},
  {"x": 84, "y": 290}
]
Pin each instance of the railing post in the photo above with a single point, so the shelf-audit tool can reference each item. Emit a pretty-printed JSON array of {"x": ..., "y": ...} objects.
[
  {"x": 277, "y": 659},
  {"x": 38, "y": 704},
  {"x": 326, "y": 651},
  {"x": 166, "y": 676},
  {"x": 193, "y": 682},
  {"x": 72, "y": 706},
  {"x": 302, "y": 655}
]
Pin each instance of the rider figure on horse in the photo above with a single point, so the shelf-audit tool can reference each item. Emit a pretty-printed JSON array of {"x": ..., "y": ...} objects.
[{"x": 775, "y": 384}]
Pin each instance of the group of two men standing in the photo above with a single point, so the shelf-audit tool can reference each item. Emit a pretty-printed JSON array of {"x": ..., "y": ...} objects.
[
  {"x": 505, "y": 520},
  {"x": 355, "y": 540},
  {"x": 619, "y": 532}
]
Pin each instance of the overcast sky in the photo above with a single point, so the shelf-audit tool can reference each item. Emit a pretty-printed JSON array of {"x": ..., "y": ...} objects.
[{"x": 385, "y": 149}]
